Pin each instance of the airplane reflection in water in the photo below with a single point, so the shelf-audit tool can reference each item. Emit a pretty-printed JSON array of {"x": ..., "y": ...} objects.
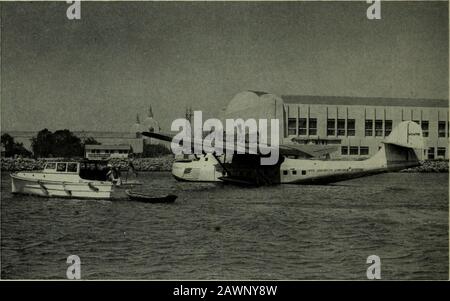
[{"x": 397, "y": 152}]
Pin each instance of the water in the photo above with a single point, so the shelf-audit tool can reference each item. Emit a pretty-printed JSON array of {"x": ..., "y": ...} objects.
[{"x": 215, "y": 231}]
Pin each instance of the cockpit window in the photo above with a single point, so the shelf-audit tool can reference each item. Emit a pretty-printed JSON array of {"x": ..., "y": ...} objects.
[
  {"x": 61, "y": 166},
  {"x": 72, "y": 167},
  {"x": 50, "y": 165}
]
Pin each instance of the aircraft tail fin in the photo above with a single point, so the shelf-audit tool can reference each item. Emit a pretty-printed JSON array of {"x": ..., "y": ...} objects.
[
  {"x": 402, "y": 148},
  {"x": 407, "y": 134}
]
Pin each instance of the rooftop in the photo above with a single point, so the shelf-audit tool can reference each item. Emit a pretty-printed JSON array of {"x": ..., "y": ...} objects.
[
  {"x": 106, "y": 146},
  {"x": 365, "y": 101}
]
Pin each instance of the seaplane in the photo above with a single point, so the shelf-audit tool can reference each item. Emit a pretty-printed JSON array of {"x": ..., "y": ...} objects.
[{"x": 298, "y": 164}]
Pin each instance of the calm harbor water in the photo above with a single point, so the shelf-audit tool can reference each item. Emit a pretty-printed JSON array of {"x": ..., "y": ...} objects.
[{"x": 215, "y": 231}]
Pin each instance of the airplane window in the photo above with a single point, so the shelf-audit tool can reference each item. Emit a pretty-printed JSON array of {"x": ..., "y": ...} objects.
[
  {"x": 206, "y": 159},
  {"x": 285, "y": 172},
  {"x": 303, "y": 172},
  {"x": 294, "y": 172}
]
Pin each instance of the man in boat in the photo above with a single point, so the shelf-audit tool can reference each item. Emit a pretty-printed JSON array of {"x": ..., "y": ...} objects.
[{"x": 114, "y": 175}]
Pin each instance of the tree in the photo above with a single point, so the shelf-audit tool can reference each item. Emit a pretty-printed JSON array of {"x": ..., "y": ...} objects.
[
  {"x": 42, "y": 143},
  {"x": 7, "y": 142},
  {"x": 66, "y": 144},
  {"x": 19, "y": 149},
  {"x": 13, "y": 148},
  {"x": 61, "y": 143}
]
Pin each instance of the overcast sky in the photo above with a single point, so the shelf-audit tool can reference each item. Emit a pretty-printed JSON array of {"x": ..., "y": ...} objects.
[{"x": 97, "y": 73}]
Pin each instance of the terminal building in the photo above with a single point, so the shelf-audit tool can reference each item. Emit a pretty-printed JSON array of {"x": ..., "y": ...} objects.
[
  {"x": 105, "y": 152},
  {"x": 359, "y": 124},
  {"x": 356, "y": 126}
]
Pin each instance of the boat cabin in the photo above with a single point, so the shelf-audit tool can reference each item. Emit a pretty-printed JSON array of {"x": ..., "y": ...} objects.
[{"x": 87, "y": 169}]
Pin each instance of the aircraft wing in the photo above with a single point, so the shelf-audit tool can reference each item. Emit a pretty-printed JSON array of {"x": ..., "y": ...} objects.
[
  {"x": 159, "y": 136},
  {"x": 305, "y": 151},
  {"x": 199, "y": 143}
]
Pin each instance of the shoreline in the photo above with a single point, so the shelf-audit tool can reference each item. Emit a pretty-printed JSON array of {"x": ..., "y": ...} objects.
[
  {"x": 140, "y": 164},
  {"x": 165, "y": 164}
]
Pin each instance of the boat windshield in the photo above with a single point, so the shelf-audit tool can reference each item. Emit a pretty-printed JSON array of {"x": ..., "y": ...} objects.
[
  {"x": 61, "y": 167},
  {"x": 51, "y": 166}
]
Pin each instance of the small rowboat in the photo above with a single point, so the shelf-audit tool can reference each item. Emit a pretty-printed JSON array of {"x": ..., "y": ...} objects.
[{"x": 140, "y": 197}]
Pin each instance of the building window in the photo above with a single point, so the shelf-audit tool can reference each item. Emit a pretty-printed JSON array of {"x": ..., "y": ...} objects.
[
  {"x": 350, "y": 127},
  {"x": 344, "y": 150},
  {"x": 378, "y": 128},
  {"x": 353, "y": 150},
  {"x": 341, "y": 127},
  {"x": 387, "y": 127},
  {"x": 441, "y": 129},
  {"x": 364, "y": 150},
  {"x": 302, "y": 126},
  {"x": 292, "y": 126},
  {"x": 312, "y": 126},
  {"x": 331, "y": 125},
  {"x": 431, "y": 153},
  {"x": 441, "y": 152},
  {"x": 425, "y": 128},
  {"x": 369, "y": 127}
]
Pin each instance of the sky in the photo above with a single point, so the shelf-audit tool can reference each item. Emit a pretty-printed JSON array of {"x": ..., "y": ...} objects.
[{"x": 97, "y": 73}]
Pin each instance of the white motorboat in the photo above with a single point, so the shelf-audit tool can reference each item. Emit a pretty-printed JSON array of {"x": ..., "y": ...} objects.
[{"x": 64, "y": 179}]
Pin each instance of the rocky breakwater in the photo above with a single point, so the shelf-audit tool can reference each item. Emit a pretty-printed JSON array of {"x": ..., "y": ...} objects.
[
  {"x": 430, "y": 166},
  {"x": 140, "y": 164},
  {"x": 165, "y": 164},
  {"x": 145, "y": 164},
  {"x": 20, "y": 164}
]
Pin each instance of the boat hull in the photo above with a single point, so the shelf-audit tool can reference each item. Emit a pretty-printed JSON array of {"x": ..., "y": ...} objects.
[{"x": 60, "y": 189}]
